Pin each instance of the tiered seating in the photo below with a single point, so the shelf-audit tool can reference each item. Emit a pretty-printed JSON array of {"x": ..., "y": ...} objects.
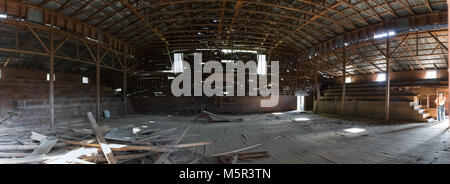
[{"x": 363, "y": 98}]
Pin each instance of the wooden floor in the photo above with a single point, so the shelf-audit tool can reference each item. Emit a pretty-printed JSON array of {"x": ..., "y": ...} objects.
[
  {"x": 314, "y": 139},
  {"x": 307, "y": 138}
]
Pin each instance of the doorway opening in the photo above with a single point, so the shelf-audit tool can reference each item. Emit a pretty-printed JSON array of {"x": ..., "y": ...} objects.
[{"x": 301, "y": 103}]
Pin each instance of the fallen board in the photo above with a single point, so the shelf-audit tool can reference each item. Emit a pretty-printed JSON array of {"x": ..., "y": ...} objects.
[
  {"x": 164, "y": 156},
  {"x": 120, "y": 134},
  {"x": 101, "y": 140},
  {"x": 43, "y": 148}
]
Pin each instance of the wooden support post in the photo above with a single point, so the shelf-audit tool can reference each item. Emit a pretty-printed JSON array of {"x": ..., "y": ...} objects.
[
  {"x": 316, "y": 84},
  {"x": 52, "y": 79},
  {"x": 388, "y": 80},
  {"x": 448, "y": 58},
  {"x": 343, "y": 80},
  {"x": 98, "y": 85},
  {"x": 428, "y": 101},
  {"x": 124, "y": 87}
]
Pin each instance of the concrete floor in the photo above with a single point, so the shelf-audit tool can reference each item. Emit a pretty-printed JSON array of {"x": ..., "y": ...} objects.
[{"x": 310, "y": 138}]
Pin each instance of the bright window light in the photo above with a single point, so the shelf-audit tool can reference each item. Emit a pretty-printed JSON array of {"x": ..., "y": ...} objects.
[
  {"x": 355, "y": 130},
  {"x": 230, "y": 51},
  {"x": 277, "y": 113},
  {"x": 3, "y": 16},
  {"x": 383, "y": 35},
  {"x": 227, "y": 61},
  {"x": 85, "y": 80},
  {"x": 381, "y": 77},
  {"x": 178, "y": 63},
  {"x": 431, "y": 74},
  {"x": 348, "y": 79},
  {"x": 262, "y": 65},
  {"x": 118, "y": 90},
  {"x": 48, "y": 77}
]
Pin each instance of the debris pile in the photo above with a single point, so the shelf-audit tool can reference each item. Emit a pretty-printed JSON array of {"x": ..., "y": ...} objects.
[{"x": 91, "y": 146}]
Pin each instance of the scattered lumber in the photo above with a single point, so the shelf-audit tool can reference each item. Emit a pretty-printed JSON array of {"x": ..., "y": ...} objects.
[
  {"x": 101, "y": 158},
  {"x": 43, "y": 148},
  {"x": 120, "y": 134},
  {"x": 123, "y": 147},
  {"x": 26, "y": 160},
  {"x": 13, "y": 155},
  {"x": 37, "y": 136},
  {"x": 79, "y": 145},
  {"x": 164, "y": 156},
  {"x": 211, "y": 117},
  {"x": 24, "y": 147},
  {"x": 73, "y": 156},
  {"x": 103, "y": 145}
]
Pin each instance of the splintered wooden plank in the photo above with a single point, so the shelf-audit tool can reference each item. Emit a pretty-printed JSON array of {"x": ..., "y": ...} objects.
[
  {"x": 26, "y": 160},
  {"x": 43, "y": 148},
  {"x": 101, "y": 158},
  {"x": 101, "y": 140},
  {"x": 37, "y": 136},
  {"x": 16, "y": 155},
  {"x": 164, "y": 156},
  {"x": 123, "y": 147}
]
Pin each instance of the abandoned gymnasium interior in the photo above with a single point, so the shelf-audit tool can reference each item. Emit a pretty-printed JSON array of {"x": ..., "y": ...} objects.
[{"x": 224, "y": 82}]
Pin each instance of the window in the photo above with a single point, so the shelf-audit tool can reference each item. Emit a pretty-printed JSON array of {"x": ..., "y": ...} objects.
[
  {"x": 431, "y": 74},
  {"x": 85, "y": 80},
  {"x": 35, "y": 15},
  {"x": 178, "y": 63},
  {"x": 348, "y": 79},
  {"x": 383, "y": 35},
  {"x": 48, "y": 77},
  {"x": 381, "y": 77},
  {"x": 3, "y": 16},
  {"x": 262, "y": 65},
  {"x": 227, "y": 61}
]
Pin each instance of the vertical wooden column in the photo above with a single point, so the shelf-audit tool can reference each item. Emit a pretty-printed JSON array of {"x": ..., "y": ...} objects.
[
  {"x": 316, "y": 83},
  {"x": 344, "y": 67},
  {"x": 52, "y": 79},
  {"x": 388, "y": 79},
  {"x": 98, "y": 114},
  {"x": 448, "y": 57},
  {"x": 124, "y": 87}
]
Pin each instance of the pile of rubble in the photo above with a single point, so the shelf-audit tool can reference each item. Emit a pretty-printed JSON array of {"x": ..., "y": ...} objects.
[
  {"x": 126, "y": 144},
  {"x": 120, "y": 145}
]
